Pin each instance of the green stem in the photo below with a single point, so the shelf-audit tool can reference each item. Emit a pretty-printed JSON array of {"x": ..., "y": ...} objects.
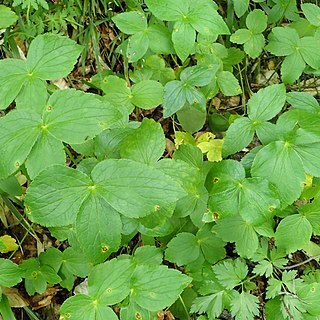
[
  {"x": 20, "y": 242},
  {"x": 244, "y": 101},
  {"x": 184, "y": 307},
  {"x": 70, "y": 155},
  {"x": 230, "y": 18},
  {"x": 31, "y": 315},
  {"x": 5, "y": 309},
  {"x": 19, "y": 216}
]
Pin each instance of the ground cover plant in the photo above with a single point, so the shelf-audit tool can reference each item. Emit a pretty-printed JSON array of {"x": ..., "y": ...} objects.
[{"x": 159, "y": 160}]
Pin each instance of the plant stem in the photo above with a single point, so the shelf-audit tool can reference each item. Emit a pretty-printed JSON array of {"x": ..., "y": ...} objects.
[
  {"x": 317, "y": 256},
  {"x": 19, "y": 216},
  {"x": 5, "y": 309},
  {"x": 184, "y": 307}
]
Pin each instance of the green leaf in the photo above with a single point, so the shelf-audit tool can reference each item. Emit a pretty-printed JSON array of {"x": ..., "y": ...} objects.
[
  {"x": 18, "y": 133},
  {"x": 309, "y": 48},
  {"x": 134, "y": 311},
  {"x": 183, "y": 38},
  {"x": 71, "y": 116},
  {"x": 147, "y": 94},
  {"x": 266, "y": 132},
  {"x": 211, "y": 246},
  {"x": 148, "y": 255},
  {"x": 108, "y": 143},
  {"x": 283, "y": 8},
  {"x": 174, "y": 97},
  {"x": 293, "y": 233},
  {"x": 191, "y": 119},
  {"x": 155, "y": 288},
  {"x": 274, "y": 288},
  {"x": 74, "y": 116},
  {"x": 254, "y": 46},
  {"x": 205, "y": 19},
  {"x": 110, "y": 282},
  {"x": 87, "y": 307},
  {"x": 283, "y": 41},
  {"x": 10, "y": 186},
  {"x": 98, "y": 228},
  {"x": 240, "y": 7},
  {"x": 273, "y": 309},
  {"x": 230, "y": 273},
  {"x": 267, "y": 103},
  {"x": 294, "y": 305},
  {"x": 280, "y": 164},
  {"x": 292, "y": 67},
  {"x": 7, "y": 17},
  {"x": 312, "y": 212},
  {"x": 241, "y": 36},
  {"x": 52, "y": 56},
  {"x": 75, "y": 262},
  {"x": 226, "y": 169},
  {"x": 256, "y": 21},
  {"x": 33, "y": 95},
  {"x": 49, "y": 146},
  {"x": 264, "y": 267},
  {"x": 235, "y": 229},
  {"x": 238, "y": 136},
  {"x": 307, "y": 146},
  {"x": 183, "y": 249},
  {"x": 228, "y": 83},
  {"x": 257, "y": 200},
  {"x": 56, "y": 204},
  {"x": 10, "y": 273},
  {"x": 130, "y": 187},
  {"x": 169, "y": 10},
  {"x": 67, "y": 264},
  {"x": 133, "y": 188},
  {"x": 160, "y": 42},
  {"x": 245, "y": 306},
  {"x": 189, "y": 154},
  {"x": 197, "y": 76},
  {"x": 303, "y": 101},
  {"x": 312, "y": 13},
  {"x": 51, "y": 257},
  {"x": 212, "y": 304},
  {"x": 13, "y": 74},
  {"x": 130, "y": 22},
  {"x": 187, "y": 176},
  {"x": 117, "y": 92},
  {"x": 138, "y": 45},
  {"x": 146, "y": 144},
  {"x": 309, "y": 293},
  {"x": 37, "y": 276}
]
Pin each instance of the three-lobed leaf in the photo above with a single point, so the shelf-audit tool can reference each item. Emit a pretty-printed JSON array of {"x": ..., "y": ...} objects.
[
  {"x": 262, "y": 106},
  {"x": 252, "y": 38},
  {"x": 70, "y": 116},
  {"x": 285, "y": 41},
  {"x": 189, "y": 17},
  {"x": 50, "y": 57},
  {"x": 132, "y": 188}
]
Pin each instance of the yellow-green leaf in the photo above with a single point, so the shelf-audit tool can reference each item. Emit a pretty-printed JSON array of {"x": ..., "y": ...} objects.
[{"x": 7, "y": 244}]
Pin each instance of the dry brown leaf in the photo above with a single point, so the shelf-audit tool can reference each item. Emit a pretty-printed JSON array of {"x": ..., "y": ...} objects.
[
  {"x": 42, "y": 300},
  {"x": 14, "y": 297},
  {"x": 165, "y": 315}
]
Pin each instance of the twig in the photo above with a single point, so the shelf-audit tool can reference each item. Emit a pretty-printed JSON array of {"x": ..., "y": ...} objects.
[{"x": 301, "y": 263}]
